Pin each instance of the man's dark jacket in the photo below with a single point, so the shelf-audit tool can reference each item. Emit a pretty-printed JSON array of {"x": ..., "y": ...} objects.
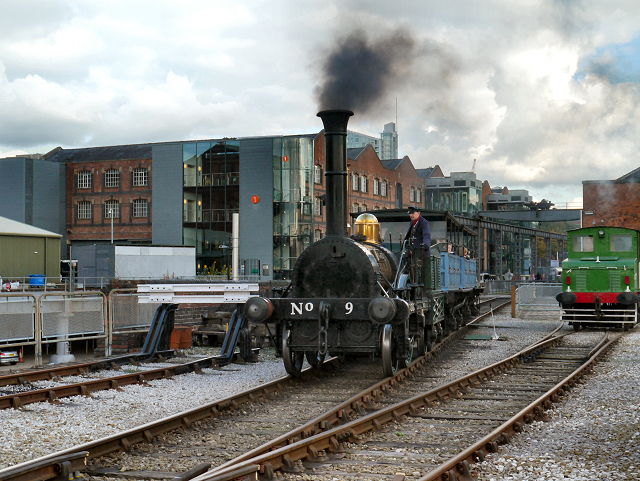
[{"x": 422, "y": 234}]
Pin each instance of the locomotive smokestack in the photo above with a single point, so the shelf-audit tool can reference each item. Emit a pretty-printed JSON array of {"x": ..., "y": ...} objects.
[{"x": 335, "y": 152}]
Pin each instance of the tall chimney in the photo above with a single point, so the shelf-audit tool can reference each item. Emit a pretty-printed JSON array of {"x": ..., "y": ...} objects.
[{"x": 335, "y": 151}]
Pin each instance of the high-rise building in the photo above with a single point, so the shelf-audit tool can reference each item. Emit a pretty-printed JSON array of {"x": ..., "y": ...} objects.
[
  {"x": 386, "y": 146},
  {"x": 389, "y": 142}
]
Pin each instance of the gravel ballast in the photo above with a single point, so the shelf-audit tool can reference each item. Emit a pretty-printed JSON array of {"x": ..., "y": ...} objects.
[
  {"x": 595, "y": 437},
  {"x": 593, "y": 434}
]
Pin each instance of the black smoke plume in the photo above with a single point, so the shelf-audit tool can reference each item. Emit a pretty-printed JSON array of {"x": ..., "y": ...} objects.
[{"x": 358, "y": 72}]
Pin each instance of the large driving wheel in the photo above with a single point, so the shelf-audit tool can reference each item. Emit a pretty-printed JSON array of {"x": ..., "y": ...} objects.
[
  {"x": 389, "y": 360},
  {"x": 292, "y": 360}
]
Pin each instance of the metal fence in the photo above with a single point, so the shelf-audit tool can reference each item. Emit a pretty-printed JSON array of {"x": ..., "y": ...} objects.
[
  {"x": 538, "y": 300},
  {"x": 126, "y": 313},
  {"x": 52, "y": 317},
  {"x": 42, "y": 283},
  {"x": 499, "y": 287}
]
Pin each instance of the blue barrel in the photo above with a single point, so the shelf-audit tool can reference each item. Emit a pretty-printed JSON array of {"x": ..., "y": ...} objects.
[{"x": 36, "y": 280}]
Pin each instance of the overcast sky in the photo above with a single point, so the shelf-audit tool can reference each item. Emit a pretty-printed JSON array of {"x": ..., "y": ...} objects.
[{"x": 544, "y": 94}]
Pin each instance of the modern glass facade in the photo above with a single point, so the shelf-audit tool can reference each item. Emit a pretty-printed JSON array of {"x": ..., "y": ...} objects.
[
  {"x": 292, "y": 201},
  {"x": 458, "y": 200},
  {"x": 210, "y": 196}
]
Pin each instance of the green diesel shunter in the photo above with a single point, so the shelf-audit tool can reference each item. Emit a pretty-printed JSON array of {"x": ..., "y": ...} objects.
[{"x": 600, "y": 278}]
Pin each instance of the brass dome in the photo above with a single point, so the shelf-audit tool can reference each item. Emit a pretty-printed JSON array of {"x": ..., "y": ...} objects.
[{"x": 368, "y": 226}]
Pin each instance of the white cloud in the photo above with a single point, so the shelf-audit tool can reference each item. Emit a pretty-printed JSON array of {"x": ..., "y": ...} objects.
[{"x": 499, "y": 81}]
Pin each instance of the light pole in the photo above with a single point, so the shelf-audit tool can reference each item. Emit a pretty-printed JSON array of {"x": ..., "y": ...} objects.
[
  {"x": 225, "y": 249},
  {"x": 111, "y": 215}
]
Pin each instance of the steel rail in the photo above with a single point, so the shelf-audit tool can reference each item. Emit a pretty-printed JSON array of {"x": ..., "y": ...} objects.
[
  {"x": 357, "y": 404},
  {"x": 59, "y": 467},
  {"x": 80, "y": 368},
  {"x": 277, "y": 457},
  {"x": 53, "y": 394},
  {"x": 458, "y": 466}
]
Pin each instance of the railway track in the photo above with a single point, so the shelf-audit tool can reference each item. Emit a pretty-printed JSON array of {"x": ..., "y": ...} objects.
[
  {"x": 437, "y": 434},
  {"x": 213, "y": 418},
  {"x": 27, "y": 394}
]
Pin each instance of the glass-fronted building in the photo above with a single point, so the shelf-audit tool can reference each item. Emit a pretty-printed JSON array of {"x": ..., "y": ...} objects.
[
  {"x": 461, "y": 193},
  {"x": 293, "y": 201},
  {"x": 211, "y": 179}
]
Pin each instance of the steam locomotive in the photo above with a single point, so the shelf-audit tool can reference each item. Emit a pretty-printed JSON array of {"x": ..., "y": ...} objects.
[{"x": 352, "y": 295}]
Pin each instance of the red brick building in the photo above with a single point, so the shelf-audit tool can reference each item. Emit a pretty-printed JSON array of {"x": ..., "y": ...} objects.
[
  {"x": 372, "y": 184},
  {"x": 612, "y": 203},
  {"x": 105, "y": 184}
]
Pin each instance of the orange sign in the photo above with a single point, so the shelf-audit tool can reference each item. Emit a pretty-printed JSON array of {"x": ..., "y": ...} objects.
[
  {"x": 285, "y": 159},
  {"x": 255, "y": 199}
]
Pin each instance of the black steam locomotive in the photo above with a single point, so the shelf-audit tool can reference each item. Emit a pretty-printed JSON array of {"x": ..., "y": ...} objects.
[{"x": 351, "y": 295}]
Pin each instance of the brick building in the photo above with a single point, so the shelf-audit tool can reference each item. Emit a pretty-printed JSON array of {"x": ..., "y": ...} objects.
[
  {"x": 105, "y": 185},
  {"x": 612, "y": 203},
  {"x": 372, "y": 184}
]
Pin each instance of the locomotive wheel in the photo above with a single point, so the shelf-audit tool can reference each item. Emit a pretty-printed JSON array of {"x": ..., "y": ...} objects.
[
  {"x": 292, "y": 360},
  {"x": 392, "y": 358},
  {"x": 313, "y": 359},
  {"x": 422, "y": 345},
  {"x": 389, "y": 359},
  {"x": 431, "y": 336}
]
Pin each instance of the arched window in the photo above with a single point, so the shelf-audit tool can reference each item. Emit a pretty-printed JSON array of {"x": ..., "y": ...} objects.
[
  {"x": 111, "y": 209},
  {"x": 84, "y": 209},
  {"x": 317, "y": 174},
  {"x": 112, "y": 178},
  {"x": 363, "y": 183}
]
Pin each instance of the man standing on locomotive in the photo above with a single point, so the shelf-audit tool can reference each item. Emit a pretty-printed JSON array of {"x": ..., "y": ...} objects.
[{"x": 419, "y": 231}]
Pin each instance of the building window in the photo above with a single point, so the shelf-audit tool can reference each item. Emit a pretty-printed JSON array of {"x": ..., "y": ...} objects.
[
  {"x": 376, "y": 187},
  {"x": 412, "y": 195},
  {"x": 364, "y": 181},
  {"x": 356, "y": 182},
  {"x": 317, "y": 174},
  {"x": 317, "y": 235},
  {"x": 140, "y": 176},
  {"x": 354, "y": 208},
  {"x": 418, "y": 195},
  {"x": 111, "y": 209},
  {"x": 140, "y": 208},
  {"x": 112, "y": 178},
  {"x": 317, "y": 206},
  {"x": 363, "y": 208},
  {"x": 84, "y": 179},
  {"x": 383, "y": 188},
  {"x": 84, "y": 209}
]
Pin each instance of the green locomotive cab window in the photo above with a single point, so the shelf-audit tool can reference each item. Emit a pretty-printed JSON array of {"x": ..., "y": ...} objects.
[
  {"x": 621, "y": 243},
  {"x": 583, "y": 243}
]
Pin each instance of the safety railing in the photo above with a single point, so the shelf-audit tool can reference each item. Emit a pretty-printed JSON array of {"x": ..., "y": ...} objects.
[
  {"x": 537, "y": 300},
  {"x": 52, "y": 317}
]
